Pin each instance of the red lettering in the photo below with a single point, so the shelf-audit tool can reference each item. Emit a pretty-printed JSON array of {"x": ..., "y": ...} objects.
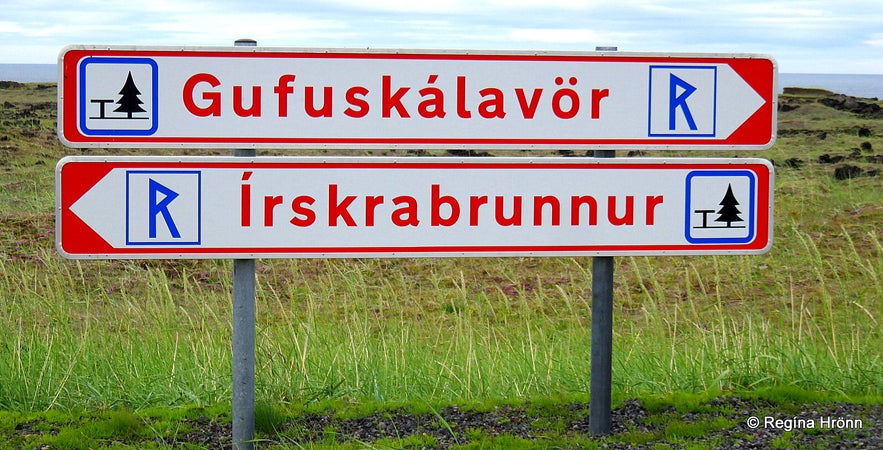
[
  {"x": 245, "y": 201},
  {"x": 371, "y": 203},
  {"x": 303, "y": 215},
  {"x": 436, "y": 201},
  {"x": 528, "y": 109},
  {"x": 628, "y": 218},
  {"x": 474, "y": 203},
  {"x": 597, "y": 96},
  {"x": 310, "y": 105},
  {"x": 254, "y": 110},
  {"x": 570, "y": 94},
  {"x": 576, "y": 202},
  {"x": 282, "y": 90},
  {"x": 358, "y": 106},
  {"x": 390, "y": 101},
  {"x": 515, "y": 218},
  {"x": 434, "y": 106},
  {"x": 461, "y": 98},
  {"x": 270, "y": 202},
  {"x": 406, "y": 215},
  {"x": 493, "y": 107},
  {"x": 550, "y": 200},
  {"x": 214, "y": 98},
  {"x": 652, "y": 202},
  {"x": 338, "y": 210}
]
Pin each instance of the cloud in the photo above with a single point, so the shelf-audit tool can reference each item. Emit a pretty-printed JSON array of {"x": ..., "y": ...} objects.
[
  {"x": 449, "y": 7},
  {"x": 808, "y": 33},
  {"x": 874, "y": 40},
  {"x": 556, "y": 35},
  {"x": 7, "y": 26},
  {"x": 268, "y": 28}
]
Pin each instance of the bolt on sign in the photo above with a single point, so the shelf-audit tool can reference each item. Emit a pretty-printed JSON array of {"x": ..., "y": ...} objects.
[
  {"x": 222, "y": 207},
  {"x": 238, "y": 97}
]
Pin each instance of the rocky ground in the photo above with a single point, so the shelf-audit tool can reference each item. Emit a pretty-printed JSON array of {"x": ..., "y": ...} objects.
[{"x": 725, "y": 422}]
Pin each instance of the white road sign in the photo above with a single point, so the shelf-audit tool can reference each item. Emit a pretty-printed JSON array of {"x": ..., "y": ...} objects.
[
  {"x": 263, "y": 97},
  {"x": 219, "y": 207}
]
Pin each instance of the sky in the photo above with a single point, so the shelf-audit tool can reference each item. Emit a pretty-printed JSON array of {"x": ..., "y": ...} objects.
[{"x": 804, "y": 36}]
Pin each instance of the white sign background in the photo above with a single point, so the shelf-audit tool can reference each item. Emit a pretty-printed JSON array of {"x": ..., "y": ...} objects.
[
  {"x": 338, "y": 221},
  {"x": 539, "y": 100}
]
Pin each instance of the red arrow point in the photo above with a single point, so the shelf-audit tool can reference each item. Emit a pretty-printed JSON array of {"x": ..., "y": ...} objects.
[{"x": 75, "y": 180}]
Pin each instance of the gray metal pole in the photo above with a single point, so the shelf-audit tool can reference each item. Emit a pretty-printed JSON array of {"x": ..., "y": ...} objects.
[
  {"x": 602, "y": 345},
  {"x": 243, "y": 354},
  {"x": 243, "y": 335},
  {"x": 602, "y": 331}
]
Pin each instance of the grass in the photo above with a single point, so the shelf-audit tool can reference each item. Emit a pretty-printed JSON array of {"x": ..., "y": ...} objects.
[
  {"x": 127, "y": 337},
  {"x": 94, "y": 345}
]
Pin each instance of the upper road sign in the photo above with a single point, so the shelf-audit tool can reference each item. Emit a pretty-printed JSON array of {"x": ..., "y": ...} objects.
[
  {"x": 308, "y": 98},
  {"x": 216, "y": 207}
]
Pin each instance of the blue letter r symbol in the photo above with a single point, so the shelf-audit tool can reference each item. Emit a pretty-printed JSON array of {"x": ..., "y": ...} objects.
[
  {"x": 161, "y": 207},
  {"x": 679, "y": 101}
]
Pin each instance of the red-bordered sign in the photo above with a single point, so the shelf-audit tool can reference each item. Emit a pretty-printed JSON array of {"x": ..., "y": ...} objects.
[
  {"x": 306, "y": 98},
  {"x": 223, "y": 207}
]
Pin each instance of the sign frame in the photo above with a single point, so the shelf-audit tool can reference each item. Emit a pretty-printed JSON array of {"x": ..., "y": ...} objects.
[
  {"x": 77, "y": 175},
  {"x": 756, "y": 132}
]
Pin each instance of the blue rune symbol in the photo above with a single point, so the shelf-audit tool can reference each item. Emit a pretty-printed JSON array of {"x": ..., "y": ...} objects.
[
  {"x": 161, "y": 207},
  {"x": 679, "y": 100}
]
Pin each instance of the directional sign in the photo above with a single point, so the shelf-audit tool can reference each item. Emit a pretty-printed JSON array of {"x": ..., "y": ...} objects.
[
  {"x": 308, "y": 98},
  {"x": 223, "y": 207}
]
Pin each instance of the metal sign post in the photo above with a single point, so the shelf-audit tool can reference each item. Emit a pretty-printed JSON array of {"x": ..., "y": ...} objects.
[
  {"x": 602, "y": 330},
  {"x": 243, "y": 353},
  {"x": 602, "y": 337},
  {"x": 243, "y": 335}
]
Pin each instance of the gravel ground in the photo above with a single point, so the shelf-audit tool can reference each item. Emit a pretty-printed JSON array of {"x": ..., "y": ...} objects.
[{"x": 631, "y": 422}]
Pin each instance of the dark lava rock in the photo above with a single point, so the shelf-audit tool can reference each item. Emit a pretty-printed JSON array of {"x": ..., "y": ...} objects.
[
  {"x": 470, "y": 153},
  {"x": 847, "y": 171},
  {"x": 828, "y": 159},
  {"x": 745, "y": 424},
  {"x": 853, "y": 105},
  {"x": 794, "y": 163}
]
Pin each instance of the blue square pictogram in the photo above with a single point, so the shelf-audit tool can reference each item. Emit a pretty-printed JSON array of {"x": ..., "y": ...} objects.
[
  {"x": 163, "y": 207},
  {"x": 683, "y": 101},
  {"x": 720, "y": 207},
  {"x": 118, "y": 96}
]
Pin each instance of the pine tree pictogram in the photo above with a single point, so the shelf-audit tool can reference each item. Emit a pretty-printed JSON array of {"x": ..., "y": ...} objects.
[
  {"x": 729, "y": 212},
  {"x": 129, "y": 101}
]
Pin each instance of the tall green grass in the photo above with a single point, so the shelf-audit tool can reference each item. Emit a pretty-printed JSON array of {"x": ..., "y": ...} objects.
[{"x": 437, "y": 330}]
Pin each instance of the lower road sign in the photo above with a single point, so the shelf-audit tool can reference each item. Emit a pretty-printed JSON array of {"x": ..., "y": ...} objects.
[{"x": 220, "y": 207}]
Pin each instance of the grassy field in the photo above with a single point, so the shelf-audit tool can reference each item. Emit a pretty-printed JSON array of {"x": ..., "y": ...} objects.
[{"x": 132, "y": 352}]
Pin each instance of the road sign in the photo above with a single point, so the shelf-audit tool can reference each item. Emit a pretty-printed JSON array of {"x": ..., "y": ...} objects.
[
  {"x": 224, "y": 207},
  {"x": 307, "y": 98}
]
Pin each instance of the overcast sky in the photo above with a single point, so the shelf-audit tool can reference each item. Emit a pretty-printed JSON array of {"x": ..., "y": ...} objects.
[{"x": 804, "y": 36}]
